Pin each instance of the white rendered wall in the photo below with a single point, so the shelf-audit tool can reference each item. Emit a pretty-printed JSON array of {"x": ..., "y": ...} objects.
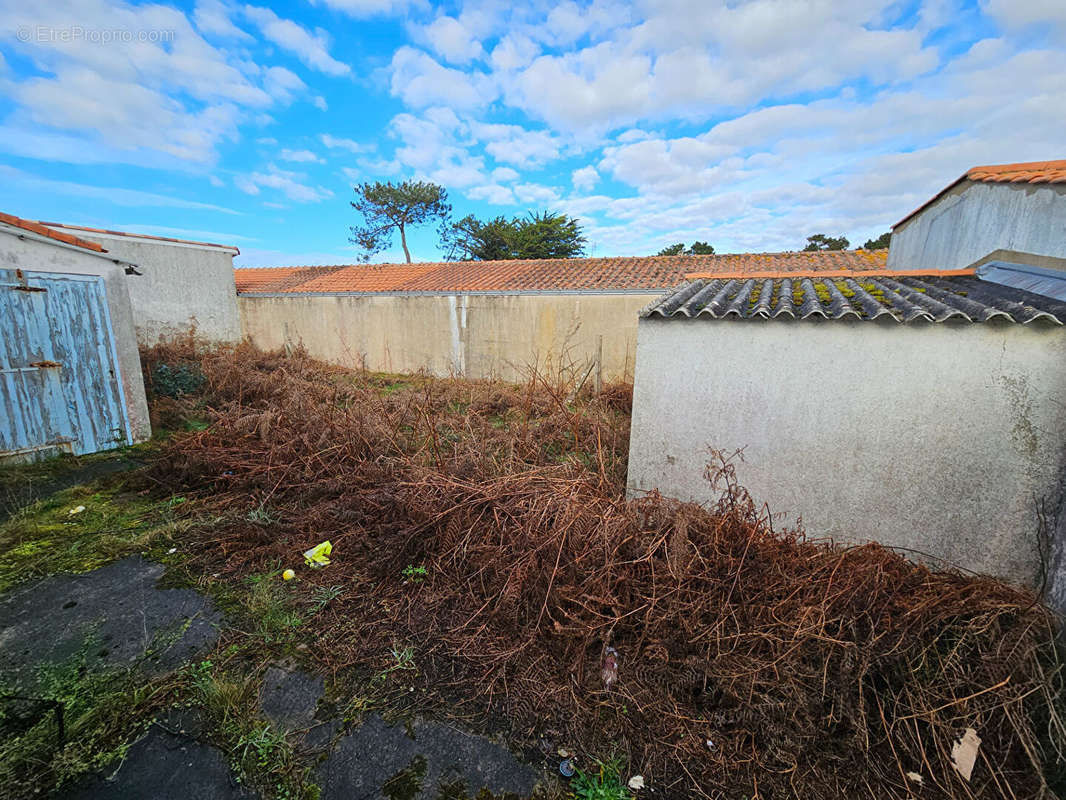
[
  {"x": 181, "y": 285},
  {"x": 935, "y": 437}
]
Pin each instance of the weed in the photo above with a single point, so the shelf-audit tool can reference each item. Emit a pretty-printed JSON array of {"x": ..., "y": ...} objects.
[
  {"x": 605, "y": 783},
  {"x": 407, "y": 783},
  {"x": 324, "y": 595},
  {"x": 223, "y": 697},
  {"x": 101, "y": 712},
  {"x": 414, "y": 574},
  {"x": 267, "y": 747},
  {"x": 176, "y": 380},
  {"x": 405, "y": 658},
  {"x": 271, "y": 611},
  {"x": 261, "y": 516}
]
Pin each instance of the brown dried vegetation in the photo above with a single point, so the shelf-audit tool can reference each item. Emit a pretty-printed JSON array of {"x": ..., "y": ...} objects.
[{"x": 750, "y": 662}]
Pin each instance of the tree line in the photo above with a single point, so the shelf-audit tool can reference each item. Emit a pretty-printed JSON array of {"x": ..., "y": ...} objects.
[{"x": 388, "y": 209}]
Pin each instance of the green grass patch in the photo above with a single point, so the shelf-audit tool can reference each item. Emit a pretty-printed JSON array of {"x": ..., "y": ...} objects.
[{"x": 603, "y": 782}]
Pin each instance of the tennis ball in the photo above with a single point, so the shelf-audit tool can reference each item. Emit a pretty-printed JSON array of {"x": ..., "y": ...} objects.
[{"x": 288, "y": 575}]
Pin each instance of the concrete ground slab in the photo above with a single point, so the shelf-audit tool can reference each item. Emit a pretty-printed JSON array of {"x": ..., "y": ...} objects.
[
  {"x": 377, "y": 760},
  {"x": 117, "y": 608},
  {"x": 165, "y": 766},
  {"x": 289, "y": 698}
]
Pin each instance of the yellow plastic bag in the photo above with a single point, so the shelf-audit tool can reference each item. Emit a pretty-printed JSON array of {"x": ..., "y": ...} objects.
[{"x": 318, "y": 556}]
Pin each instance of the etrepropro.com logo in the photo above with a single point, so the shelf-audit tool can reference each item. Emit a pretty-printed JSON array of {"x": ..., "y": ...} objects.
[{"x": 50, "y": 34}]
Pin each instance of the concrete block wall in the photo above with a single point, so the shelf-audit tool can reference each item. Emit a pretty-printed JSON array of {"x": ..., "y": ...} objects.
[{"x": 475, "y": 335}]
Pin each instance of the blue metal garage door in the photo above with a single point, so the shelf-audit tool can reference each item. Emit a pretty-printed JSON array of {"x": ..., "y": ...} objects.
[{"x": 59, "y": 376}]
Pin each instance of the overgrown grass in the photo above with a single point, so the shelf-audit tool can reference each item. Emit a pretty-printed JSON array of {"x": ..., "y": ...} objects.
[{"x": 88, "y": 526}]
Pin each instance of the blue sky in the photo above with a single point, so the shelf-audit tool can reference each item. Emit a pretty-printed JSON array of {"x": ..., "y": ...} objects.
[{"x": 746, "y": 124}]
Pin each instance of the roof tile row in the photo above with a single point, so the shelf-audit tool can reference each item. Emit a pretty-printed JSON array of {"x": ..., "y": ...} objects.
[
  {"x": 59, "y": 236},
  {"x": 574, "y": 274},
  {"x": 1029, "y": 172}
]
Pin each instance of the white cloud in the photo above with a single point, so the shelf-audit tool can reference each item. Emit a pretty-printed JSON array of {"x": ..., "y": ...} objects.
[
  {"x": 492, "y": 193},
  {"x": 690, "y": 58},
  {"x": 300, "y": 156},
  {"x": 108, "y": 194},
  {"x": 281, "y": 83},
  {"x": 513, "y": 144},
  {"x": 214, "y": 17},
  {"x": 132, "y": 101},
  {"x": 504, "y": 174},
  {"x": 452, "y": 40},
  {"x": 513, "y": 52},
  {"x": 288, "y": 183},
  {"x": 585, "y": 178},
  {"x": 369, "y": 8},
  {"x": 185, "y": 233},
  {"x": 429, "y": 146},
  {"x": 320, "y": 103},
  {"x": 1021, "y": 14},
  {"x": 536, "y": 194},
  {"x": 352, "y": 174},
  {"x": 311, "y": 48},
  {"x": 420, "y": 81},
  {"x": 215, "y": 181},
  {"x": 337, "y": 142}
]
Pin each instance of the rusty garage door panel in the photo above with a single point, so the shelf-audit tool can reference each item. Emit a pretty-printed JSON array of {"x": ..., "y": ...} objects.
[{"x": 59, "y": 380}]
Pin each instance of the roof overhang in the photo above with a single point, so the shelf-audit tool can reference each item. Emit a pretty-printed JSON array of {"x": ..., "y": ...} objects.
[
  {"x": 143, "y": 237},
  {"x": 31, "y": 235}
]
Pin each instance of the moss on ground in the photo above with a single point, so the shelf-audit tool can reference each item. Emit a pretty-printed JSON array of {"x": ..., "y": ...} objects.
[{"x": 83, "y": 528}]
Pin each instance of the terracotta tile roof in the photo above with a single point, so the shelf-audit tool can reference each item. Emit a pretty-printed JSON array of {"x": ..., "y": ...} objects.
[
  {"x": 59, "y": 236},
  {"x": 138, "y": 235},
  {"x": 1025, "y": 172},
  {"x": 575, "y": 274},
  {"x": 1029, "y": 172}
]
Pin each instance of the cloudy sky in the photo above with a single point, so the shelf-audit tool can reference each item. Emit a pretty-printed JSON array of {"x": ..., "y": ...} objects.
[{"x": 746, "y": 124}]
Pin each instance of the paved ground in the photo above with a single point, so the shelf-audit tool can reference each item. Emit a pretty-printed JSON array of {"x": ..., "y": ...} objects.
[
  {"x": 379, "y": 760},
  {"x": 116, "y": 609},
  {"x": 165, "y": 766}
]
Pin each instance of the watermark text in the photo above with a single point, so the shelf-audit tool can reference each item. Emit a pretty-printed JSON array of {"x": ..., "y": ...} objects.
[{"x": 48, "y": 34}]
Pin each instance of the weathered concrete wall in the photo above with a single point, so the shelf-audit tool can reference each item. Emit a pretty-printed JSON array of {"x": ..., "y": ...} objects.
[
  {"x": 973, "y": 219},
  {"x": 181, "y": 285},
  {"x": 935, "y": 437},
  {"x": 25, "y": 252},
  {"x": 479, "y": 336}
]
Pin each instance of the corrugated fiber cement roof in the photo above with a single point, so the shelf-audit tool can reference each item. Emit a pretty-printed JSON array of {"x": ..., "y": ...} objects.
[{"x": 904, "y": 299}]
